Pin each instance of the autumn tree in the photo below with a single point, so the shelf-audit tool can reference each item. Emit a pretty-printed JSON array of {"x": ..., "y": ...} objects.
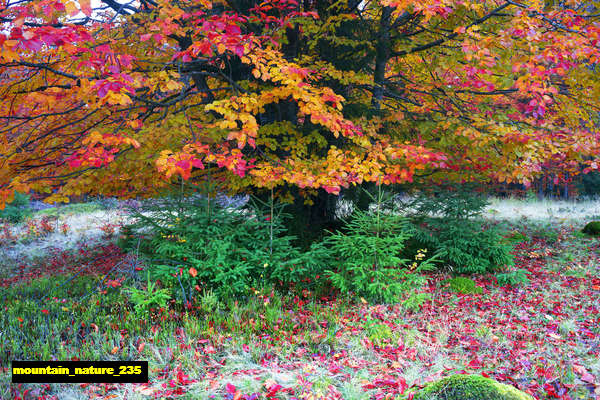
[{"x": 302, "y": 99}]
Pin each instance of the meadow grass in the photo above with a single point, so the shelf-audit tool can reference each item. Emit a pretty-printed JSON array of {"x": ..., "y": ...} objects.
[{"x": 544, "y": 331}]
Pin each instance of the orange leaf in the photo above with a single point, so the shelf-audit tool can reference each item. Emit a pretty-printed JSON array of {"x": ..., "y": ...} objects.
[{"x": 86, "y": 7}]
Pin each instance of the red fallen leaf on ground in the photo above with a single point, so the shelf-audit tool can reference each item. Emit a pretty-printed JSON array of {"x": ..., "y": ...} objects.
[
  {"x": 272, "y": 387},
  {"x": 475, "y": 363},
  {"x": 402, "y": 385},
  {"x": 230, "y": 388}
]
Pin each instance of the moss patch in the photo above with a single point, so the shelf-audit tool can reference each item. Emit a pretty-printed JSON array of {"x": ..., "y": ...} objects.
[
  {"x": 463, "y": 285},
  {"x": 470, "y": 387},
  {"x": 592, "y": 228}
]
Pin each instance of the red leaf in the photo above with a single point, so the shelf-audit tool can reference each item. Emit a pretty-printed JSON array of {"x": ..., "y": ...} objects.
[
  {"x": 402, "y": 385},
  {"x": 230, "y": 388},
  {"x": 475, "y": 363}
]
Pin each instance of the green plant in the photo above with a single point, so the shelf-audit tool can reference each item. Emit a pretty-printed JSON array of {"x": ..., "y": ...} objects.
[
  {"x": 512, "y": 277},
  {"x": 369, "y": 250},
  {"x": 445, "y": 223},
  {"x": 415, "y": 301},
  {"x": 17, "y": 210},
  {"x": 456, "y": 201},
  {"x": 378, "y": 332},
  {"x": 465, "y": 246},
  {"x": 192, "y": 245},
  {"x": 516, "y": 237},
  {"x": 463, "y": 285},
  {"x": 470, "y": 387},
  {"x": 151, "y": 296}
]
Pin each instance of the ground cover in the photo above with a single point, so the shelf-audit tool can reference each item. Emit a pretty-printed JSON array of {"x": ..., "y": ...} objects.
[{"x": 541, "y": 336}]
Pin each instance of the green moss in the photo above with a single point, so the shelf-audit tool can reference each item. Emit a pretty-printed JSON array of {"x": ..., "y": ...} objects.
[
  {"x": 470, "y": 387},
  {"x": 592, "y": 228},
  {"x": 464, "y": 285}
]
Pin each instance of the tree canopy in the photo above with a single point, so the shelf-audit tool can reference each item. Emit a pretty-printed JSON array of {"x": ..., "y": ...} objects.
[{"x": 121, "y": 98}]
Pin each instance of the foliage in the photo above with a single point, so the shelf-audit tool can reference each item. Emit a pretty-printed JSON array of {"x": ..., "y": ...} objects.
[
  {"x": 193, "y": 245},
  {"x": 223, "y": 347},
  {"x": 150, "y": 296},
  {"x": 592, "y": 228},
  {"x": 463, "y": 285},
  {"x": 445, "y": 221},
  {"x": 465, "y": 246},
  {"x": 369, "y": 253},
  {"x": 516, "y": 237},
  {"x": 415, "y": 301},
  {"x": 17, "y": 210},
  {"x": 589, "y": 184},
  {"x": 470, "y": 387},
  {"x": 301, "y": 97},
  {"x": 513, "y": 277},
  {"x": 378, "y": 332},
  {"x": 455, "y": 202}
]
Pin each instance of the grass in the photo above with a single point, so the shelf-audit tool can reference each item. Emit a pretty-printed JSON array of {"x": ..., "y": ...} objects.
[
  {"x": 69, "y": 209},
  {"x": 543, "y": 336},
  {"x": 543, "y": 210}
]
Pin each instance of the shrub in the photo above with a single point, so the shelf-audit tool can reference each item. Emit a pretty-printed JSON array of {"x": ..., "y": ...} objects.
[
  {"x": 415, "y": 301},
  {"x": 457, "y": 202},
  {"x": 445, "y": 222},
  {"x": 144, "y": 299},
  {"x": 192, "y": 246},
  {"x": 470, "y": 387},
  {"x": 465, "y": 246},
  {"x": 369, "y": 250},
  {"x": 463, "y": 285},
  {"x": 17, "y": 210},
  {"x": 512, "y": 277}
]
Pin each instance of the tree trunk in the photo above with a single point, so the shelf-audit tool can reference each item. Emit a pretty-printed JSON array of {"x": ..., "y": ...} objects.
[{"x": 382, "y": 56}]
